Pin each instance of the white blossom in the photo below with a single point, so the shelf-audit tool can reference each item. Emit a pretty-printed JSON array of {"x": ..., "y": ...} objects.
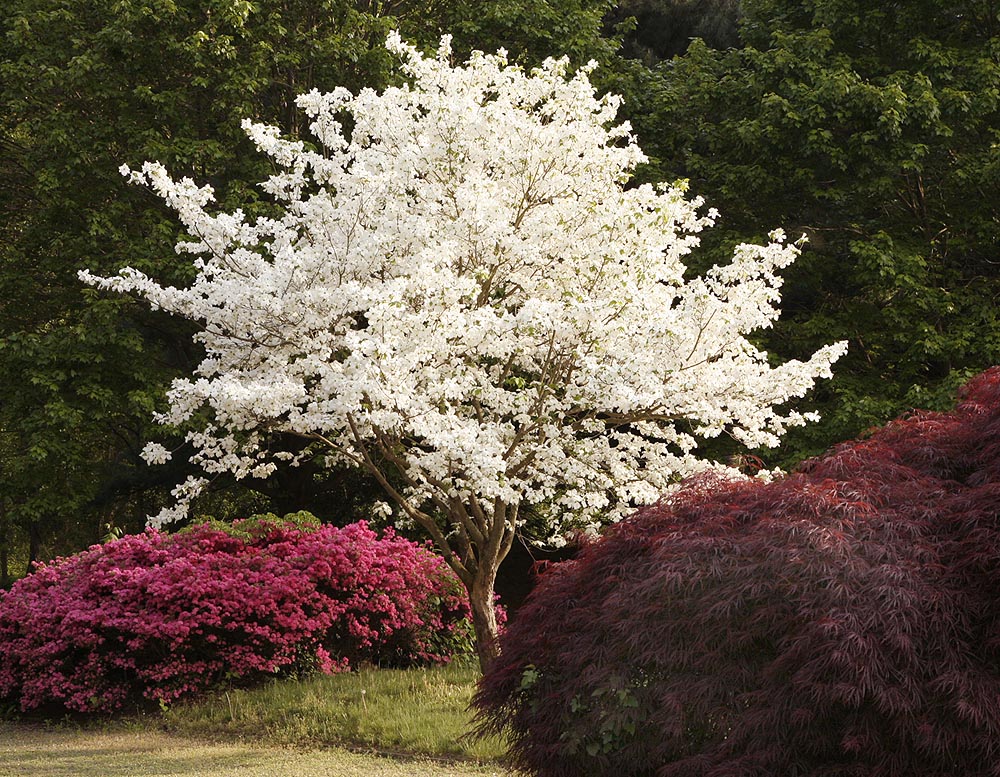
[
  {"x": 154, "y": 453},
  {"x": 463, "y": 283}
]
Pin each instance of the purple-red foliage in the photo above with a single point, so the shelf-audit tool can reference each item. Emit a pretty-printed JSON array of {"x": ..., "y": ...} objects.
[
  {"x": 843, "y": 620},
  {"x": 164, "y": 616}
]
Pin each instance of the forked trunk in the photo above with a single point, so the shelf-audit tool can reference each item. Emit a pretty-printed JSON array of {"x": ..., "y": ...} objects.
[{"x": 477, "y": 542}]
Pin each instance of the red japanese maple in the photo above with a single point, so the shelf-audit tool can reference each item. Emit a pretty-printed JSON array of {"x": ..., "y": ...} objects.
[{"x": 842, "y": 620}]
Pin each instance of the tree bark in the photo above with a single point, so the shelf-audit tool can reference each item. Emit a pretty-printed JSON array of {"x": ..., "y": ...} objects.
[
  {"x": 4, "y": 545},
  {"x": 34, "y": 543},
  {"x": 489, "y": 550},
  {"x": 484, "y": 619}
]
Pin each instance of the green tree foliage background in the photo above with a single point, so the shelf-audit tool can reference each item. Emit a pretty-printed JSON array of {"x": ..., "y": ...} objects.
[
  {"x": 872, "y": 128},
  {"x": 87, "y": 85}
]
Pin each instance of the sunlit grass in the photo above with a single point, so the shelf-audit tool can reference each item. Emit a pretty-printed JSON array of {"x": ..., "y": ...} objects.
[
  {"x": 415, "y": 711},
  {"x": 67, "y": 751}
]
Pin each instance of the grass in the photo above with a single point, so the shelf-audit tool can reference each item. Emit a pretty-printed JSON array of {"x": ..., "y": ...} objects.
[
  {"x": 36, "y": 751},
  {"x": 378, "y": 722},
  {"x": 391, "y": 711}
]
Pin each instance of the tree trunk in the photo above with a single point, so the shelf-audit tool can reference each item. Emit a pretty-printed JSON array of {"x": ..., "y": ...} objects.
[
  {"x": 484, "y": 619},
  {"x": 4, "y": 545},
  {"x": 34, "y": 543}
]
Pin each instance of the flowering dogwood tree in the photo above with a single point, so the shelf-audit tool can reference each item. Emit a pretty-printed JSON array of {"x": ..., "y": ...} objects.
[{"x": 462, "y": 297}]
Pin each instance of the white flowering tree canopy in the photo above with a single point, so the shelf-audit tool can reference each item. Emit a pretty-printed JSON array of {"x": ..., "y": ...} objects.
[{"x": 461, "y": 289}]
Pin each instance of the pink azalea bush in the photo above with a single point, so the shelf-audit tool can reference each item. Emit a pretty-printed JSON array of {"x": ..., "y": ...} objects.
[{"x": 161, "y": 616}]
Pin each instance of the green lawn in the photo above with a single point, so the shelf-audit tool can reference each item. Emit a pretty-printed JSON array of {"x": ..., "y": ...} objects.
[
  {"x": 36, "y": 751},
  {"x": 374, "y": 722},
  {"x": 418, "y": 711}
]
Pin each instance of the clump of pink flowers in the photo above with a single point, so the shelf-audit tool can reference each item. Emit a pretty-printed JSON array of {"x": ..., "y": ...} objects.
[{"x": 162, "y": 616}]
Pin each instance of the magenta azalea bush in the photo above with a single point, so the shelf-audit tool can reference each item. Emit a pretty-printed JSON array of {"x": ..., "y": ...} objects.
[
  {"x": 161, "y": 616},
  {"x": 843, "y": 621}
]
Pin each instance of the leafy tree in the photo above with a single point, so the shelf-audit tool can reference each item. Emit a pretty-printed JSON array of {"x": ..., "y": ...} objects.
[
  {"x": 841, "y": 620},
  {"x": 464, "y": 299},
  {"x": 86, "y": 86},
  {"x": 529, "y": 30},
  {"x": 873, "y": 130}
]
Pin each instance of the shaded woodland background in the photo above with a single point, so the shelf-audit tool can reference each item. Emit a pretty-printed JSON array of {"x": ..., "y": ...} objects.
[{"x": 871, "y": 129}]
